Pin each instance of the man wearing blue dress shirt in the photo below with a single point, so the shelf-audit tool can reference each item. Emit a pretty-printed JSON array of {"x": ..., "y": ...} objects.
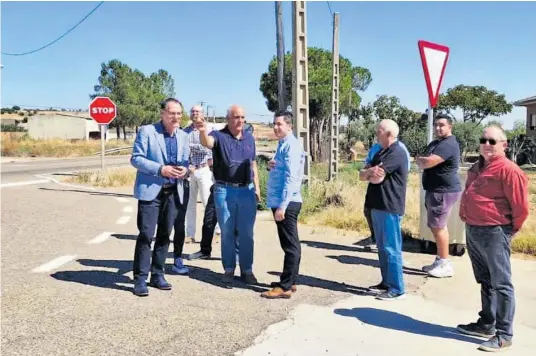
[{"x": 285, "y": 200}]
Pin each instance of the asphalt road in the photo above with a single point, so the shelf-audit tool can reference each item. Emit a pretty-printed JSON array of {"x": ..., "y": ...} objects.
[{"x": 20, "y": 170}]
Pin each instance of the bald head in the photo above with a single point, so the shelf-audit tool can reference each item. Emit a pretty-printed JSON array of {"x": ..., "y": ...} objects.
[
  {"x": 236, "y": 118},
  {"x": 493, "y": 142}
]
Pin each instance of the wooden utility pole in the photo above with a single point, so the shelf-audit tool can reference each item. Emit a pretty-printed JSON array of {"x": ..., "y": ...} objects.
[
  {"x": 334, "y": 126},
  {"x": 280, "y": 43},
  {"x": 300, "y": 81}
]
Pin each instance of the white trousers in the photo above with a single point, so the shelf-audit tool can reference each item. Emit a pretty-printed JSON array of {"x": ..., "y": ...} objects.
[{"x": 200, "y": 182}]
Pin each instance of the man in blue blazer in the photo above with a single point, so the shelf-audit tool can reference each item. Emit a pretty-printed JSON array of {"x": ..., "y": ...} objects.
[{"x": 160, "y": 155}]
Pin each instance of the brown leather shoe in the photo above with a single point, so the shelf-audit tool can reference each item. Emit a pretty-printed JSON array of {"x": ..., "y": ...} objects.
[
  {"x": 276, "y": 293},
  {"x": 293, "y": 288}
]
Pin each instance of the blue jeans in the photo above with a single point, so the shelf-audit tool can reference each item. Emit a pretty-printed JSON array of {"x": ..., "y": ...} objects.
[
  {"x": 389, "y": 241},
  {"x": 236, "y": 210},
  {"x": 489, "y": 251}
]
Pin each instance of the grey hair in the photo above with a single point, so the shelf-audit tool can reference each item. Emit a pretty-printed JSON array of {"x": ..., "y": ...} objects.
[
  {"x": 502, "y": 134},
  {"x": 390, "y": 126}
]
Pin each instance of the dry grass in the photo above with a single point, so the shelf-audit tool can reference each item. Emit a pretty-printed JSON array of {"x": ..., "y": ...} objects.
[
  {"x": 339, "y": 204},
  {"x": 16, "y": 144},
  {"x": 114, "y": 177}
]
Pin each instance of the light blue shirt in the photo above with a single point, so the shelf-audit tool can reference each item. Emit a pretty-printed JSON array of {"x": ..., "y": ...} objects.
[
  {"x": 377, "y": 148},
  {"x": 285, "y": 179}
]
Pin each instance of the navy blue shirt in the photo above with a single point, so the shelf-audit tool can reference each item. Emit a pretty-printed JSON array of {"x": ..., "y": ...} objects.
[
  {"x": 389, "y": 195},
  {"x": 171, "y": 151},
  {"x": 233, "y": 156},
  {"x": 443, "y": 178}
]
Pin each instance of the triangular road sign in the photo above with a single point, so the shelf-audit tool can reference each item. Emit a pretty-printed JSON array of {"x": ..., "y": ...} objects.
[{"x": 434, "y": 59}]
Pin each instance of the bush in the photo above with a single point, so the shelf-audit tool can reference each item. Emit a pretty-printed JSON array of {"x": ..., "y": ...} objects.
[{"x": 11, "y": 128}]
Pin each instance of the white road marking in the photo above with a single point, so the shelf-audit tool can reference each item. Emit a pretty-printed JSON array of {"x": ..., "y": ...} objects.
[
  {"x": 28, "y": 182},
  {"x": 55, "y": 263},
  {"x": 128, "y": 209},
  {"x": 123, "y": 220},
  {"x": 100, "y": 238},
  {"x": 122, "y": 200}
]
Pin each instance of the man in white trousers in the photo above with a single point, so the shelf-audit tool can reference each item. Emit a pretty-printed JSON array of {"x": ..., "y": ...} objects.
[{"x": 201, "y": 178}]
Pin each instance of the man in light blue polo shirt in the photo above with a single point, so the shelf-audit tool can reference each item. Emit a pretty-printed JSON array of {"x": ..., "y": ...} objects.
[
  {"x": 284, "y": 198},
  {"x": 370, "y": 243}
]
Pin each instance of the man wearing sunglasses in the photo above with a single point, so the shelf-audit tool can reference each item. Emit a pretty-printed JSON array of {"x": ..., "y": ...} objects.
[
  {"x": 441, "y": 182},
  {"x": 494, "y": 206}
]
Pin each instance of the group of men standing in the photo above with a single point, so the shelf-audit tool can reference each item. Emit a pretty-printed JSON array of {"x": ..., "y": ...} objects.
[
  {"x": 494, "y": 205},
  {"x": 174, "y": 164}
]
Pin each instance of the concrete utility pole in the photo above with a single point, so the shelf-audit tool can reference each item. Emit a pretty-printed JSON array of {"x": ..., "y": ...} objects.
[
  {"x": 300, "y": 81},
  {"x": 334, "y": 131},
  {"x": 280, "y": 43}
]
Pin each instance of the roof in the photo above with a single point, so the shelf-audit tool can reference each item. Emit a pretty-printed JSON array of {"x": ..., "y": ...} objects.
[{"x": 526, "y": 101}]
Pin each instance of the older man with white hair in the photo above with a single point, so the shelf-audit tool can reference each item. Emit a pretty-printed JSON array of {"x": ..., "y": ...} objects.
[{"x": 386, "y": 196}]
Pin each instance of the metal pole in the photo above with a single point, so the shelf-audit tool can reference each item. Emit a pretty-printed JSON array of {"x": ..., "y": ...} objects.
[
  {"x": 334, "y": 131},
  {"x": 300, "y": 82},
  {"x": 430, "y": 123},
  {"x": 102, "y": 129},
  {"x": 280, "y": 42}
]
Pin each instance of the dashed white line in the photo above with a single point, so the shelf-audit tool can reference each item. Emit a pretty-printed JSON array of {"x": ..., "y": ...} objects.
[
  {"x": 128, "y": 209},
  {"x": 55, "y": 263},
  {"x": 100, "y": 238},
  {"x": 123, "y": 220},
  {"x": 122, "y": 200},
  {"x": 28, "y": 182}
]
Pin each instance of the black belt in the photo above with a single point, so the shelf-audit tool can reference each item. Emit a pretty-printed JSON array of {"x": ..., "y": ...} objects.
[
  {"x": 169, "y": 185},
  {"x": 231, "y": 184}
]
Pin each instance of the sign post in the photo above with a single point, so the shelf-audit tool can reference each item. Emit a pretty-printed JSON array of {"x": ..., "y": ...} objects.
[
  {"x": 103, "y": 111},
  {"x": 434, "y": 59}
]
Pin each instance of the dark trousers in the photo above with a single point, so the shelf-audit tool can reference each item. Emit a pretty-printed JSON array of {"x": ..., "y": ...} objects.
[
  {"x": 489, "y": 251},
  {"x": 165, "y": 210},
  {"x": 290, "y": 243},
  {"x": 368, "y": 215},
  {"x": 209, "y": 224}
]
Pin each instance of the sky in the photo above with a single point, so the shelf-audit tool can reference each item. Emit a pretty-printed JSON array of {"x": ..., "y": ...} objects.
[{"x": 217, "y": 51}]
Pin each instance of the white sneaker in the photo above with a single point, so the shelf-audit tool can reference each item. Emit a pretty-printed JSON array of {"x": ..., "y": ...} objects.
[
  {"x": 443, "y": 270},
  {"x": 428, "y": 268},
  {"x": 179, "y": 267}
]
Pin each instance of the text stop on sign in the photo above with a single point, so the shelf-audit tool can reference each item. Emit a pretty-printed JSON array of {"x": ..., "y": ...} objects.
[{"x": 103, "y": 110}]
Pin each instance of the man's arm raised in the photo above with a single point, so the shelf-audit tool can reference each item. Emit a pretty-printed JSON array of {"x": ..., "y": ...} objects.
[{"x": 206, "y": 140}]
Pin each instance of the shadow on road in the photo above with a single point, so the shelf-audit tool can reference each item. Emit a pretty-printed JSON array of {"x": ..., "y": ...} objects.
[
  {"x": 354, "y": 260},
  {"x": 315, "y": 282},
  {"x": 395, "y": 321},
  {"x": 90, "y": 192},
  {"x": 112, "y": 280},
  {"x": 409, "y": 245}
]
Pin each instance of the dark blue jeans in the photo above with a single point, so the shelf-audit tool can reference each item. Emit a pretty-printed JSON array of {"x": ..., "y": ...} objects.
[
  {"x": 236, "y": 209},
  {"x": 489, "y": 251},
  {"x": 166, "y": 211},
  {"x": 389, "y": 241}
]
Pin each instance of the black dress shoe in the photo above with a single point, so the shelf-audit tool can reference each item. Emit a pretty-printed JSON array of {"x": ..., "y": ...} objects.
[
  {"x": 160, "y": 283},
  {"x": 198, "y": 256},
  {"x": 140, "y": 289}
]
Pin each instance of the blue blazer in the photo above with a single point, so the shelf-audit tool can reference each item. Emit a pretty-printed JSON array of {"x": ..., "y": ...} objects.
[{"x": 149, "y": 154}]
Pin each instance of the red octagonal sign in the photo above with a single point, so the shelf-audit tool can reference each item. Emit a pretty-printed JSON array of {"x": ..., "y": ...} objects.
[{"x": 103, "y": 110}]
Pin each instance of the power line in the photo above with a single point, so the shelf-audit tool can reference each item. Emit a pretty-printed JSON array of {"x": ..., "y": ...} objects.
[
  {"x": 57, "y": 39},
  {"x": 329, "y": 7}
]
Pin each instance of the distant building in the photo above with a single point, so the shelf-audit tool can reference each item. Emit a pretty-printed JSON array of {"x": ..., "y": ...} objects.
[
  {"x": 530, "y": 104},
  {"x": 63, "y": 126}
]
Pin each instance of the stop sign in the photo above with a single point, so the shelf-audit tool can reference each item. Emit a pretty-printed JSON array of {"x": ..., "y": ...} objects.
[{"x": 102, "y": 110}]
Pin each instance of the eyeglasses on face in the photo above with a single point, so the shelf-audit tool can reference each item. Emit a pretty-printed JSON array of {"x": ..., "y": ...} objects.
[{"x": 491, "y": 141}]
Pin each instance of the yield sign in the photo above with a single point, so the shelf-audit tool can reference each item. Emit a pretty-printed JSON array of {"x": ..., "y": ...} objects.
[{"x": 434, "y": 59}]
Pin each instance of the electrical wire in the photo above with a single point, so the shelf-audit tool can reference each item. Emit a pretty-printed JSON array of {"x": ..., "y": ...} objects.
[
  {"x": 329, "y": 7},
  {"x": 57, "y": 39}
]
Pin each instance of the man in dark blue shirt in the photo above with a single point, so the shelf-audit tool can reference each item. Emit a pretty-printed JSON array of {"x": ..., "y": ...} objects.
[
  {"x": 236, "y": 191},
  {"x": 386, "y": 196},
  {"x": 441, "y": 182}
]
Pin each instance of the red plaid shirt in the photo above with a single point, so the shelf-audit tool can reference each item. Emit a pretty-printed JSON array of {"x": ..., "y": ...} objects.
[{"x": 495, "y": 193}]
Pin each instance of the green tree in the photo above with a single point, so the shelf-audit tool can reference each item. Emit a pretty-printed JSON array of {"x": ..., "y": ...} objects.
[
  {"x": 476, "y": 103},
  {"x": 467, "y": 133},
  {"x": 351, "y": 80}
]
